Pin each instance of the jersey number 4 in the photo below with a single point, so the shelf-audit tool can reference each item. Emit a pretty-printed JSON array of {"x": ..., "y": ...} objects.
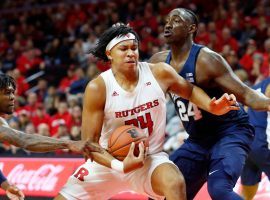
[
  {"x": 188, "y": 111},
  {"x": 142, "y": 122}
]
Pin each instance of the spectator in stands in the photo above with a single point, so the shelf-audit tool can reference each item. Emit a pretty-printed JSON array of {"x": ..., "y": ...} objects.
[
  {"x": 31, "y": 105},
  {"x": 79, "y": 85},
  {"x": 40, "y": 116},
  {"x": 248, "y": 31},
  {"x": 41, "y": 89},
  {"x": 61, "y": 117},
  {"x": 4, "y": 44},
  {"x": 30, "y": 61},
  {"x": 266, "y": 59},
  {"x": 62, "y": 132},
  {"x": 43, "y": 129},
  {"x": 227, "y": 39},
  {"x": 8, "y": 62},
  {"x": 202, "y": 35},
  {"x": 23, "y": 119},
  {"x": 23, "y": 85},
  {"x": 232, "y": 59},
  {"x": 50, "y": 100},
  {"x": 249, "y": 60},
  {"x": 76, "y": 113},
  {"x": 67, "y": 80}
]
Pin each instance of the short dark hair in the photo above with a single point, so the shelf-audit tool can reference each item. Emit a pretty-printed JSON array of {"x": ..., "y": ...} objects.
[
  {"x": 194, "y": 19},
  {"x": 6, "y": 81},
  {"x": 100, "y": 48}
]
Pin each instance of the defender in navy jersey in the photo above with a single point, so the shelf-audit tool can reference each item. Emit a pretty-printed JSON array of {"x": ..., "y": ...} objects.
[
  {"x": 217, "y": 146},
  {"x": 258, "y": 160}
]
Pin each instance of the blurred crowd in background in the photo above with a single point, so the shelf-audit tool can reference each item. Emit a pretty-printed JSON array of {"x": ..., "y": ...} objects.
[{"x": 44, "y": 45}]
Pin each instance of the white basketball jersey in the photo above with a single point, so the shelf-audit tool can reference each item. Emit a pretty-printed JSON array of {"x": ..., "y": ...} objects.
[{"x": 144, "y": 107}]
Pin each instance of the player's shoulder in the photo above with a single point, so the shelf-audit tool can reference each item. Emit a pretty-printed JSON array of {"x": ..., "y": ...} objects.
[
  {"x": 96, "y": 85},
  {"x": 208, "y": 57},
  {"x": 95, "y": 93},
  {"x": 159, "y": 57},
  {"x": 207, "y": 52}
]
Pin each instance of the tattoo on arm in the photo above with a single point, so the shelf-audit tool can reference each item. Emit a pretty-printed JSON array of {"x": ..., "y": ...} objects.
[{"x": 31, "y": 142}]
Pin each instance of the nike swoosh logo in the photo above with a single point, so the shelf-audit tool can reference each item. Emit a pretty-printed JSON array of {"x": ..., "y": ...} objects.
[{"x": 213, "y": 172}]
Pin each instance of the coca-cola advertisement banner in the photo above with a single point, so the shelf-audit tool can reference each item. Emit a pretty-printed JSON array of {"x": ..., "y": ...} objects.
[
  {"x": 46, "y": 176},
  {"x": 39, "y": 176}
]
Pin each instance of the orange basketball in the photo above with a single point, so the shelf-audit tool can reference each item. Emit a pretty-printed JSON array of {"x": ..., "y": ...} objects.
[{"x": 121, "y": 139}]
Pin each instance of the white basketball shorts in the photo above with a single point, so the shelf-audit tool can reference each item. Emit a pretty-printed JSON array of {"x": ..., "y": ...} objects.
[{"x": 94, "y": 181}]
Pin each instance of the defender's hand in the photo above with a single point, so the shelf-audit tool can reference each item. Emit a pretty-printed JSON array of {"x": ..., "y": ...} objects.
[
  {"x": 83, "y": 147},
  {"x": 14, "y": 193},
  {"x": 91, "y": 147},
  {"x": 224, "y": 104},
  {"x": 132, "y": 162}
]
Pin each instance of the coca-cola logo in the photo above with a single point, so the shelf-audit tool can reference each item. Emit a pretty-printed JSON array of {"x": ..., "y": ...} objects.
[{"x": 44, "y": 178}]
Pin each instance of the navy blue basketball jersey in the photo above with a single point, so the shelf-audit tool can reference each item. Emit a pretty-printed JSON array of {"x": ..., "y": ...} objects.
[
  {"x": 199, "y": 124},
  {"x": 259, "y": 118}
]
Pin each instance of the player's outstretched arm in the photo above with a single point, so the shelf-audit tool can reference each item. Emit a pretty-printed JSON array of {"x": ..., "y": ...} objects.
[
  {"x": 221, "y": 74},
  {"x": 92, "y": 121},
  {"x": 12, "y": 191},
  {"x": 38, "y": 143},
  {"x": 170, "y": 81}
]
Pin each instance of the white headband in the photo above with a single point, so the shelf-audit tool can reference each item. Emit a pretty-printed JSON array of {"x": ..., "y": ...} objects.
[{"x": 116, "y": 40}]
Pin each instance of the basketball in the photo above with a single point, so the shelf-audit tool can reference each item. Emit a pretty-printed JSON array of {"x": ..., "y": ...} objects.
[{"x": 121, "y": 139}]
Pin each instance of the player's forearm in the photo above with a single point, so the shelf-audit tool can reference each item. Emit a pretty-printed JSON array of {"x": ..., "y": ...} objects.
[
  {"x": 256, "y": 100},
  {"x": 200, "y": 98},
  {"x": 31, "y": 142},
  {"x": 103, "y": 158}
]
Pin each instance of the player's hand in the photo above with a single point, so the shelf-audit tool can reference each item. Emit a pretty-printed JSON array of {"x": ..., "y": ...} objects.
[
  {"x": 91, "y": 147},
  {"x": 84, "y": 147},
  {"x": 132, "y": 162},
  {"x": 14, "y": 193},
  {"x": 224, "y": 104}
]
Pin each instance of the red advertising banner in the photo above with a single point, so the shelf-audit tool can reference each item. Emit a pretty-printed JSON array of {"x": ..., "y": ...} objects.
[
  {"x": 39, "y": 176},
  {"x": 46, "y": 176}
]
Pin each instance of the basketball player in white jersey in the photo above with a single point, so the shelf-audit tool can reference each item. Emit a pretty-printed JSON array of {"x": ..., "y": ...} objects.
[
  {"x": 31, "y": 142},
  {"x": 132, "y": 92}
]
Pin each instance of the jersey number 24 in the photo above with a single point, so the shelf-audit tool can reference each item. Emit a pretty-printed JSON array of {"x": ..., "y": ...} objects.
[{"x": 188, "y": 111}]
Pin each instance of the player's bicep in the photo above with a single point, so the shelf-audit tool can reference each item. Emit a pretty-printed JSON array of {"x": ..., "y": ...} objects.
[
  {"x": 171, "y": 81},
  {"x": 181, "y": 87},
  {"x": 224, "y": 77},
  {"x": 93, "y": 110}
]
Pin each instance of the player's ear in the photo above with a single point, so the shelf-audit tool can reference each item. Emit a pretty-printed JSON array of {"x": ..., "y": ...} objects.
[
  {"x": 192, "y": 28},
  {"x": 108, "y": 54}
]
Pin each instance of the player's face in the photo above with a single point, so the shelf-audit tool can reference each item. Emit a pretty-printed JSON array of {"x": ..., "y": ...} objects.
[
  {"x": 176, "y": 27},
  {"x": 125, "y": 55},
  {"x": 7, "y": 98}
]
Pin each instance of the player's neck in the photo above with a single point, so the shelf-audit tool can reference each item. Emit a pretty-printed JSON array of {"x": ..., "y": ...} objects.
[
  {"x": 180, "y": 52},
  {"x": 127, "y": 81}
]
